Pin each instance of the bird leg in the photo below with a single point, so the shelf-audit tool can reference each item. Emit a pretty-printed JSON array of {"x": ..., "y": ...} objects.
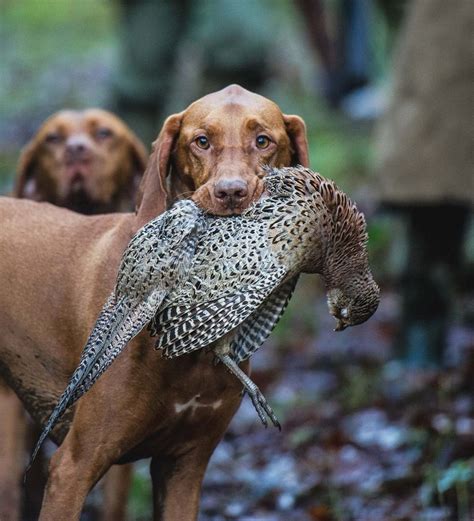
[{"x": 258, "y": 400}]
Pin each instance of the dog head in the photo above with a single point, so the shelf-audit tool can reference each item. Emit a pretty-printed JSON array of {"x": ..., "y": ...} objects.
[
  {"x": 216, "y": 149},
  {"x": 88, "y": 161}
]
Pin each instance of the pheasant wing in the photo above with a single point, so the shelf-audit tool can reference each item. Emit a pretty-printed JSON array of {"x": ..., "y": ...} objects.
[
  {"x": 258, "y": 326},
  {"x": 160, "y": 253},
  {"x": 185, "y": 328}
]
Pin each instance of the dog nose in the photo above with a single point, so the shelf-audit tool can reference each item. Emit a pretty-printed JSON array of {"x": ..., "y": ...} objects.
[
  {"x": 231, "y": 189},
  {"x": 77, "y": 148}
]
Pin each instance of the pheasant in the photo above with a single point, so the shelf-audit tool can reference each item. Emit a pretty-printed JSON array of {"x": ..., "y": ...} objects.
[{"x": 198, "y": 280}]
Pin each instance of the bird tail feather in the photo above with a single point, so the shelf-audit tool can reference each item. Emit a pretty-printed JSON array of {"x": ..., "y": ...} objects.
[{"x": 114, "y": 328}]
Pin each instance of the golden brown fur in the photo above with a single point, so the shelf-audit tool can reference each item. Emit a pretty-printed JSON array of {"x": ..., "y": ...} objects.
[
  {"x": 231, "y": 120},
  {"x": 88, "y": 161},
  {"x": 58, "y": 269},
  {"x": 91, "y": 162}
]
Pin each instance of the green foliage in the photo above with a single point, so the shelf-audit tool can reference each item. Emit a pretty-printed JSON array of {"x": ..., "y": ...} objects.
[
  {"x": 300, "y": 314},
  {"x": 460, "y": 472},
  {"x": 83, "y": 25},
  {"x": 36, "y": 38},
  {"x": 140, "y": 496},
  {"x": 301, "y": 436},
  {"x": 458, "y": 479},
  {"x": 340, "y": 155}
]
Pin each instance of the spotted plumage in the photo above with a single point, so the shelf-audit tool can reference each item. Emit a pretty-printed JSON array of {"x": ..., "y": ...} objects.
[{"x": 199, "y": 280}]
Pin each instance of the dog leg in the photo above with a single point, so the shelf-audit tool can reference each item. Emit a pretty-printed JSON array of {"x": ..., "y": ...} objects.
[
  {"x": 70, "y": 480},
  {"x": 116, "y": 486},
  {"x": 80, "y": 462},
  {"x": 177, "y": 485},
  {"x": 12, "y": 452}
]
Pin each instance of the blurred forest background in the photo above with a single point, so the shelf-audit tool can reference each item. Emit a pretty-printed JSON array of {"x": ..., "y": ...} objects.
[{"x": 369, "y": 432}]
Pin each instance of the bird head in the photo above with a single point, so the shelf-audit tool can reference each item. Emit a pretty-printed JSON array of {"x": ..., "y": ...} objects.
[{"x": 355, "y": 304}]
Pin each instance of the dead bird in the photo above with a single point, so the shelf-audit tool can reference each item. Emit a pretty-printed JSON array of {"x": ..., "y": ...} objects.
[{"x": 202, "y": 281}]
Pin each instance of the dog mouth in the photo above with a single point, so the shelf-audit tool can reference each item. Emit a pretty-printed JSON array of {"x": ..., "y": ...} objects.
[
  {"x": 76, "y": 174},
  {"x": 79, "y": 187},
  {"x": 231, "y": 208},
  {"x": 228, "y": 206},
  {"x": 77, "y": 182},
  {"x": 77, "y": 191}
]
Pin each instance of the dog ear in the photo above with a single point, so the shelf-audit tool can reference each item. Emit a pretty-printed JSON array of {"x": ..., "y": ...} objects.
[
  {"x": 152, "y": 196},
  {"x": 296, "y": 130},
  {"x": 25, "y": 183},
  {"x": 138, "y": 158}
]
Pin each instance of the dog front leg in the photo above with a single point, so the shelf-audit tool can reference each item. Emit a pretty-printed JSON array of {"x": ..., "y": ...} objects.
[
  {"x": 177, "y": 485},
  {"x": 12, "y": 452},
  {"x": 73, "y": 471}
]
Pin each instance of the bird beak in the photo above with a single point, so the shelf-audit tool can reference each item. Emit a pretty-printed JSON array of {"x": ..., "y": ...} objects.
[{"x": 340, "y": 326}]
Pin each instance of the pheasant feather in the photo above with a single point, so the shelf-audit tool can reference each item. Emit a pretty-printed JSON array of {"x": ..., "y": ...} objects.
[{"x": 198, "y": 280}]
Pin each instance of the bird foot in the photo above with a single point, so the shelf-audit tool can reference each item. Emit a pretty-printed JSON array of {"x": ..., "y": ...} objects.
[
  {"x": 261, "y": 405},
  {"x": 263, "y": 408}
]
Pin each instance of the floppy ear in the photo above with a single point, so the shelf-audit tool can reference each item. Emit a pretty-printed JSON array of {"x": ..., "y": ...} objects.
[
  {"x": 152, "y": 196},
  {"x": 296, "y": 130},
  {"x": 138, "y": 152},
  {"x": 138, "y": 157},
  {"x": 25, "y": 183}
]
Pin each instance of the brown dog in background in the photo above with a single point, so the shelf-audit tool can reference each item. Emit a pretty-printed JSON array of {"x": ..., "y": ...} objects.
[
  {"x": 88, "y": 161},
  {"x": 91, "y": 162},
  {"x": 144, "y": 405}
]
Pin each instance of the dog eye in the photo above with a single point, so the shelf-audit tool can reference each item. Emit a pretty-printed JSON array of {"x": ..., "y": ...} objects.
[
  {"x": 262, "y": 141},
  {"x": 53, "y": 137},
  {"x": 103, "y": 133},
  {"x": 202, "y": 142}
]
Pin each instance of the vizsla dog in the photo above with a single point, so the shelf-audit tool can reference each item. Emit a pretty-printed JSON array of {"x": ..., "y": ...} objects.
[
  {"x": 88, "y": 161},
  {"x": 91, "y": 162},
  {"x": 57, "y": 268}
]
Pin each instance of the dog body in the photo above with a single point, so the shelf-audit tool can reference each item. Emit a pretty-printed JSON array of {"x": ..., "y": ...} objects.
[
  {"x": 58, "y": 269},
  {"x": 91, "y": 162},
  {"x": 179, "y": 410}
]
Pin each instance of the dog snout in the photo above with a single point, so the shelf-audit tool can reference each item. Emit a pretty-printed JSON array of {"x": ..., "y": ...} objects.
[
  {"x": 77, "y": 149},
  {"x": 232, "y": 191}
]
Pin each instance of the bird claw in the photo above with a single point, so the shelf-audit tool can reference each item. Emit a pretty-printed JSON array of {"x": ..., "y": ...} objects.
[
  {"x": 263, "y": 408},
  {"x": 261, "y": 405}
]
